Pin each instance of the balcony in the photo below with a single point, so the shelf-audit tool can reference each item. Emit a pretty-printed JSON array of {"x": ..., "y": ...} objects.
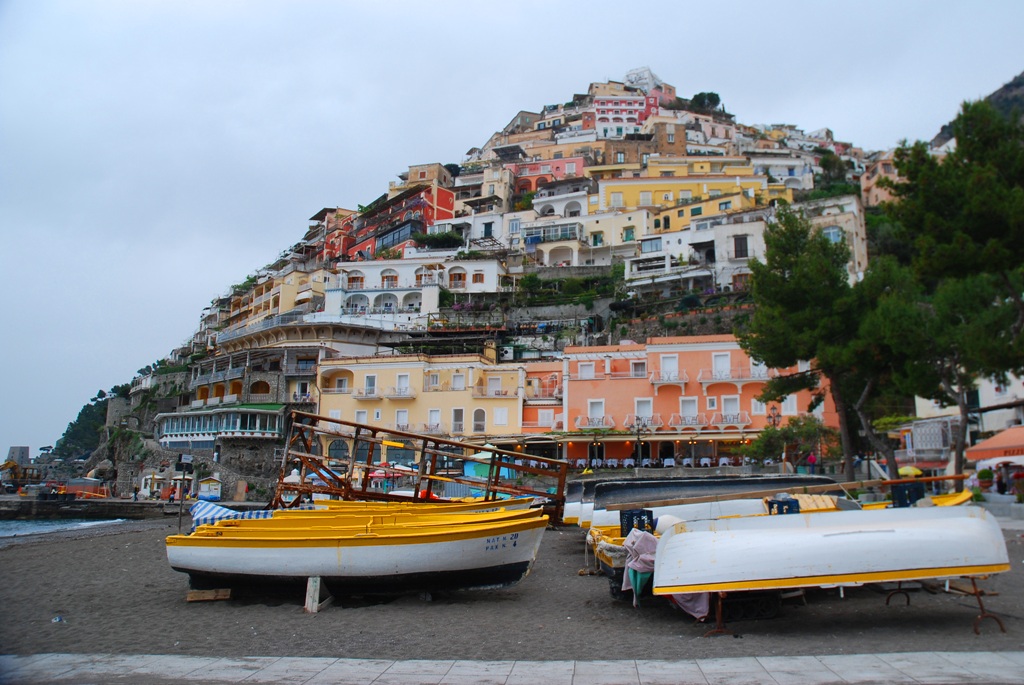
[
  {"x": 406, "y": 427},
  {"x": 336, "y": 391},
  {"x": 367, "y": 394},
  {"x": 737, "y": 420},
  {"x": 304, "y": 398},
  {"x": 634, "y": 423},
  {"x": 534, "y": 233},
  {"x": 584, "y": 422},
  {"x": 435, "y": 428},
  {"x": 261, "y": 397},
  {"x": 492, "y": 393},
  {"x": 400, "y": 393},
  {"x": 669, "y": 377},
  {"x": 684, "y": 421},
  {"x": 300, "y": 369},
  {"x": 739, "y": 376}
]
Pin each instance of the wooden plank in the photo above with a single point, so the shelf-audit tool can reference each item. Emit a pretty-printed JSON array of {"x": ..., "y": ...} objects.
[{"x": 208, "y": 595}]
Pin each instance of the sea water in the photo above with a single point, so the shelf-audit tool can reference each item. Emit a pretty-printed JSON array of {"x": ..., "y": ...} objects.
[{"x": 14, "y": 528}]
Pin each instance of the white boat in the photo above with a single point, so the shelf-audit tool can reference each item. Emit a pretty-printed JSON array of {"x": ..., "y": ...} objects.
[
  {"x": 836, "y": 549},
  {"x": 374, "y": 559}
]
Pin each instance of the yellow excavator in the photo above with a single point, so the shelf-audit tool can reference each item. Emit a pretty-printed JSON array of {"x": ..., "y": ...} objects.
[{"x": 18, "y": 475}]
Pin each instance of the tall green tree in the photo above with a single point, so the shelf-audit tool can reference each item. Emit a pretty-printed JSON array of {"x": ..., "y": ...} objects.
[
  {"x": 963, "y": 215},
  {"x": 803, "y": 312}
]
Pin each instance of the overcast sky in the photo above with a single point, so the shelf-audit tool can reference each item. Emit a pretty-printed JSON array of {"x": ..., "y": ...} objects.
[{"x": 154, "y": 153}]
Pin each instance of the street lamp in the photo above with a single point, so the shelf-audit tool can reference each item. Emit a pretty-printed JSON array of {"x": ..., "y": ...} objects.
[
  {"x": 641, "y": 424},
  {"x": 774, "y": 416}
]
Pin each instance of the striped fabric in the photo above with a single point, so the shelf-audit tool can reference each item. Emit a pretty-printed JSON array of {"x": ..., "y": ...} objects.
[{"x": 204, "y": 513}]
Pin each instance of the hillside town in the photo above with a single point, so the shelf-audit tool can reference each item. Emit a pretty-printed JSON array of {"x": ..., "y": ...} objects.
[{"x": 569, "y": 289}]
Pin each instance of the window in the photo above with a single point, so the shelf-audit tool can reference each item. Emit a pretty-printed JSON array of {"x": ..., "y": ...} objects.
[
  {"x": 638, "y": 369},
  {"x": 596, "y": 239},
  {"x": 595, "y": 411},
  {"x": 570, "y": 167},
  {"x": 479, "y": 421},
  {"x": 712, "y": 404},
  {"x": 557, "y": 155},
  {"x": 671, "y": 137},
  {"x": 731, "y": 407},
  {"x": 490, "y": 189},
  {"x": 648, "y": 246},
  {"x": 334, "y": 414},
  {"x": 488, "y": 229},
  {"x": 586, "y": 371},
  {"x": 643, "y": 407},
  {"x": 361, "y": 416},
  {"x": 620, "y": 157},
  {"x": 546, "y": 418},
  {"x": 628, "y": 233},
  {"x": 458, "y": 381},
  {"x": 714, "y": 193},
  {"x": 370, "y": 385},
  {"x": 789, "y": 405},
  {"x": 433, "y": 381},
  {"x": 616, "y": 199},
  {"x": 458, "y": 419},
  {"x": 688, "y": 406},
  {"x": 645, "y": 198},
  {"x": 402, "y": 419},
  {"x": 545, "y": 169},
  {"x": 722, "y": 206},
  {"x": 758, "y": 408},
  {"x": 833, "y": 233},
  {"x": 500, "y": 416},
  {"x": 513, "y": 225},
  {"x": 644, "y": 157},
  {"x": 740, "y": 246},
  {"x": 667, "y": 197},
  {"x": 478, "y": 277},
  {"x": 696, "y": 211}
]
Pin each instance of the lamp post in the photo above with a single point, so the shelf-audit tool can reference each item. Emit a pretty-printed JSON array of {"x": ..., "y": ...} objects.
[
  {"x": 640, "y": 424},
  {"x": 774, "y": 416}
]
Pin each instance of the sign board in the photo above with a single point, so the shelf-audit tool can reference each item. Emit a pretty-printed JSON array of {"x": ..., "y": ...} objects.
[{"x": 186, "y": 459}]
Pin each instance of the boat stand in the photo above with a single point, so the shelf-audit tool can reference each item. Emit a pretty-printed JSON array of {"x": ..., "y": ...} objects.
[
  {"x": 719, "y": 628},
  {"x": 898, "y": 591},
  {"x": 317, "y": 596},
  {"x": 984, "y": 614}
]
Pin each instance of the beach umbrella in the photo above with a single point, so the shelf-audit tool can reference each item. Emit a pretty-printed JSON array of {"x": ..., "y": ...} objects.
[{"x": 910, "y": 471}]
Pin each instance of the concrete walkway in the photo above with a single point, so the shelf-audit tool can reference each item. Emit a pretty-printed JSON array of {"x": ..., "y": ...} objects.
[{"x": 152, "y": 669}]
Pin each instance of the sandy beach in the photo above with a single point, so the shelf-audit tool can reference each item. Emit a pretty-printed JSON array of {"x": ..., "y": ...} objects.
[{"x": 113, "y": 592}]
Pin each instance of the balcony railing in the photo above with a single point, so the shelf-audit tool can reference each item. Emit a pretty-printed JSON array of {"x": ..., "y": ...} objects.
[
  {"x": 688, "y": 421},
  {"x": 458, "y": 427},
  {"x": 737, "y": 419},
  {"x": 741, "y": 373},
  {"x": 652, "y": 422},
  {"x": 492, "y": 393},
  {"x": 336, "y": 391},
  {"x": 658, "y": 377},
  {"x": 538, "y": 424},
  {"x": 367, "y": 394},
  {"x": 261, "y": 397},
  {"x": 595, "y": 422},
  {"x": 300, "y": 369},
  {"x": 432, "y": 428},
  {"x": 479, "y": 427},
  {"x": 400, "y": 393}
]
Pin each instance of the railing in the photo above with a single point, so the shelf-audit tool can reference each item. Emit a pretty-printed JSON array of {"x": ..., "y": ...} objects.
[
  {"x": 545, "y": 394},
  {"x": 618, "y": 375},
  {"x": 304, "y": 398},
  {"x": 595, "y": 422},
  {"x": 367, "y": 394},
  {"x": 669, "y": 377},
  {"x": 336, "y": 391},
  {"x": 633, "y": 422},
  {"x": 261, "y": 397},
  {"x": 479, "y": 427},
  {"x": 269, "y": 322},
  {"x": 400, "y": 426},
  {"x": 400, "y": 393},
  {"x": 735, "y": 419},
  {"x": 458, "y": 427},
  {"x": 490, "y": 392},
  {"x": 300, "y": 369},
  {"x": 742, "y": 373},
  {"x": 538, "y": 424},
  {"x": 688, "y": 421}
]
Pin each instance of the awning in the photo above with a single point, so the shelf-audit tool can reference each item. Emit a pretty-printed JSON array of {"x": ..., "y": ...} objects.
[{"x": 1008, "y": 444}]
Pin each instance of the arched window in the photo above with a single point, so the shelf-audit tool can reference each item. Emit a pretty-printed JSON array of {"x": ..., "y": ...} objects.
[
  {"x": 338, "y": 450},
  {"x": 479, "y": 421},
  {"x": 260, "y": 388}
]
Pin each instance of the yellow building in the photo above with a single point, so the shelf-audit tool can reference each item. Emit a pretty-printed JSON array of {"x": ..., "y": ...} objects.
[{"x": 466, "y": 395}]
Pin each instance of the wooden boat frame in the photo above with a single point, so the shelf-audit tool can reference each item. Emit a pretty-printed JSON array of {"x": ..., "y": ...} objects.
[{"x": 352, "y": 480}]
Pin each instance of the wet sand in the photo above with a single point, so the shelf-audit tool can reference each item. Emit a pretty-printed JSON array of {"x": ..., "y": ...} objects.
[{"x": 114, "y": 593}]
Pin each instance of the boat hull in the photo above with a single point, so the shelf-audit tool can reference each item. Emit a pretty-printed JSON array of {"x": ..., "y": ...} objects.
[
  {"x": 838, "y": 548},
  {"x": 461, "y": 558}
]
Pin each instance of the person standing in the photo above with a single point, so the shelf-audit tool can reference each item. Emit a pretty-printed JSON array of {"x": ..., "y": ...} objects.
[{"x": 812, "y": 461}]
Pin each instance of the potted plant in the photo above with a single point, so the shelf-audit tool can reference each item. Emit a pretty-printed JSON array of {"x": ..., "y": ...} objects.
[{"x": 985, "y": 478}]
